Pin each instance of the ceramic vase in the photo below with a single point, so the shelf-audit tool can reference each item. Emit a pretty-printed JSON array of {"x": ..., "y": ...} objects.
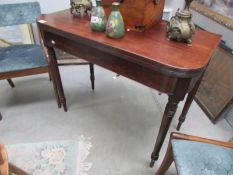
[
  {"x": 98, "y": 18},
  {"x": 115, "y": 27}
]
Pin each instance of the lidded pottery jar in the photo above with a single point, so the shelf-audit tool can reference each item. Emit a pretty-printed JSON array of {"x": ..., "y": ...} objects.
[
  {"x": 98, "y": 18},
  {"x": 115, "y": 27},
  {"x": 139, "y": 15}
]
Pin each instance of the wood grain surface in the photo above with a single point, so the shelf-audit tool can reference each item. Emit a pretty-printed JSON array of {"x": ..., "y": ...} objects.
[{"x": 150, "y": 47}]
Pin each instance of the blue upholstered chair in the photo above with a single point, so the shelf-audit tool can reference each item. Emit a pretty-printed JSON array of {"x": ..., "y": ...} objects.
[
  {"x": 24, "y": 59},
  {"x": 29, "y": 59},
  {"x": 198, "y": 156}
]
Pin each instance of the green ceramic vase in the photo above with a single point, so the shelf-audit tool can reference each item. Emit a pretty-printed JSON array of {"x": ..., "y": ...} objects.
[
  {"x": 115, "y": 27},
  {"x": 98, "y": 18}
]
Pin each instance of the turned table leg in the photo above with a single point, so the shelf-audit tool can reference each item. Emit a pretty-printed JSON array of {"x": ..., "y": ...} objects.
[
  {"x": 188, "y": 103},
  {"x": 92, "y": 76},
  {"x": 56, "y": 76},
  {"x": 169, "y": 113},
  {"x": 56, "y": 91},
  {"x": 170, "y": 110}
]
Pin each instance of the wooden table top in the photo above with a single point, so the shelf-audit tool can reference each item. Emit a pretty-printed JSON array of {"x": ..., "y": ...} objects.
[{"x": 150, "y": 47}]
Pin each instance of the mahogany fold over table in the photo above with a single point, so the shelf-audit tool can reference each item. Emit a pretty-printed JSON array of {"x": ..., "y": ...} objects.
[{"x": 148, "y": 58}]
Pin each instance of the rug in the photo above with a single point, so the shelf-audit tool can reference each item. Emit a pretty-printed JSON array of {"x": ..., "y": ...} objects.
[{"x": 52, "y": 158}]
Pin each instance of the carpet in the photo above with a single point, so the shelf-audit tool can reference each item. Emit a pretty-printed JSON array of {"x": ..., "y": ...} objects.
[{"x": 52, "y": 158}]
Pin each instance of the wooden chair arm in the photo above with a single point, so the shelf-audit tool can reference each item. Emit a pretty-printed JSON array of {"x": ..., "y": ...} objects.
[
  {"x": 4, "y": 169},
  {"x": 14, "y": 169},
  {"x": 5, "y": 166},
  {"x": 176, "y": 135}
]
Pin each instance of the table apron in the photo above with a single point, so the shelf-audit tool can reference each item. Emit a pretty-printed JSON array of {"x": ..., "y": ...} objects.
[{"x": 140, "y": 73}]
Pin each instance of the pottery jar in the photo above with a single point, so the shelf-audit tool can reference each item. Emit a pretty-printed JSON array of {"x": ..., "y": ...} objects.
[{"x": 98, "y": 18}]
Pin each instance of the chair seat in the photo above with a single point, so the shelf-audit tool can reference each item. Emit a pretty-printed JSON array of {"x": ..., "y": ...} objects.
[
  {"x": 21, "y": 57},
  {"x": 197, "y": 158}
]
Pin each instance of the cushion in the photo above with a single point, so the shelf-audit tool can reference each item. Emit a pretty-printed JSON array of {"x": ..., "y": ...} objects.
[
  {"x": 197, "y": 158},
  {"x": 19, "y": 13},
  {"x": 21, "y": 57}
]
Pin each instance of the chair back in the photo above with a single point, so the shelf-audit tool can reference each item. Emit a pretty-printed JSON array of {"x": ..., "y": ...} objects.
[{"x": 19, "y": 13}]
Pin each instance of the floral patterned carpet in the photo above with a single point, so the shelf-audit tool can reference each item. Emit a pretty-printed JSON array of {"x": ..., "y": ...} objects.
[{"x": 52, "y": 158}]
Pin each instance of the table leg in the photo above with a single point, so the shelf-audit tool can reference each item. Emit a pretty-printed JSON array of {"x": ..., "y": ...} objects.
[
  {"x": 188, "y": 103},
  {"x": 56, "y": 76},
  {"x": 170, "y": 110},
  {"x": 55, "y": 87},
  {"x": 0, "y": 116},
  {"x": 92, "y": 76},
  {"x": 169, "y": 113}
]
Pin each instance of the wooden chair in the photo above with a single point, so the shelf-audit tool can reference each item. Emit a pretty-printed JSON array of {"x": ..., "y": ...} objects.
[
  {"x": 5, "y": 167},
  {"x": 195, "y": 155},
  {"x": 24, "y": 59}
]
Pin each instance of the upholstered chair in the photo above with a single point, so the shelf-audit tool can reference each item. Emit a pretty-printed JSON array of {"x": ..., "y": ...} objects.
[
  {"x": 22, "y": 59},
  {"x": 28, "y": 59},
  {"x": 198, "y": 156}
]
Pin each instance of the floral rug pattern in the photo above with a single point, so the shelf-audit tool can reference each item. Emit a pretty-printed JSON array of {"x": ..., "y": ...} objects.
[{"x": 52, "y": 158}]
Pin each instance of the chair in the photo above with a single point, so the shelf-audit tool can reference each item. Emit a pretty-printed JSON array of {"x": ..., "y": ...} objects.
[
  {"x": 29, "y": 59},
  {"x": 198, "y": 156},
  {"x": 23, "y": 59}
]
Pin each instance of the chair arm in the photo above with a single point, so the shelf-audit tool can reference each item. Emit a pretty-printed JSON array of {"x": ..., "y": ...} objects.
[
  {"x": 4, "y": 169},
  {"x": 176, "y": 135},
  {"x": 16, "y": 170}
]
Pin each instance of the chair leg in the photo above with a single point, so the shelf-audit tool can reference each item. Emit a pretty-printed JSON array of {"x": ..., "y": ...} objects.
[
  {"x": 0, "y": 116},
  {"x": 11, "y": 83},
  {"x": 92, "y": 76},
  {"x": 167, "y": 161},
  {"x": 14, "y": 169},
  {"x": 50, "y": 77}
]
